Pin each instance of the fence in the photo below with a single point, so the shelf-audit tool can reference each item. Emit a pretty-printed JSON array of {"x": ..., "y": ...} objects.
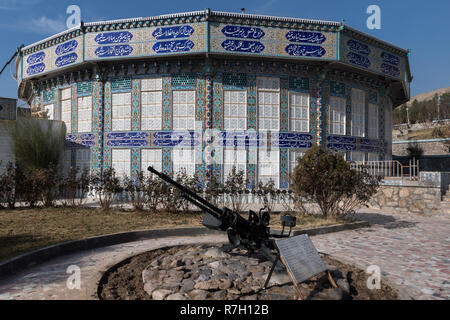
[{"x": 389, "y": 168}]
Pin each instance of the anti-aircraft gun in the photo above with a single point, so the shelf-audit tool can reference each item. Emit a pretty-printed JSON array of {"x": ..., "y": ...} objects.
[{"x": 252, "y": 233}]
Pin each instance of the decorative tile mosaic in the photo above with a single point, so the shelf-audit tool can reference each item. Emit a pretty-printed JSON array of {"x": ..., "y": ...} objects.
[
  {"x": 122, "y": 84},
  {"x": 136, "y": 105},
  {"x": 84, "y": 88},
  {"x": 337, "y": 89},
  {"x": 299, "y": 83},
  {"x": 55, "y": 57},
  {"x": 284, "y": 168},
  {"x": 217, "y": 102},
  {"x": 369, "y": 57},
  {"x": 167, "y": 104},
  {"x": 251, "y": 102},
  {"x": 234, "y": 81},
  {"x": 270, "y": 41},
  {"x": 49, "y": 95},
  {"x": 74, "y": 115},
  {"x": 147, "y": 41},
  {"x": 284, "y": 104},
  {"x": 183, "y": 81}
]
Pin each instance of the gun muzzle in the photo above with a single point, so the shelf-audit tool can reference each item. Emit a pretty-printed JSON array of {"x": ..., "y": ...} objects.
[{"x": 152, "y": 170}]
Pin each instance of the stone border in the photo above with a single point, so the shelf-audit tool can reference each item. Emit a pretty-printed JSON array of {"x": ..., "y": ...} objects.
[{"x": 23, "y": 261}]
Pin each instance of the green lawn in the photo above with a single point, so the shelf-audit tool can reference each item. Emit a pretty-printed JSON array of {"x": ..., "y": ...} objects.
[{"x": 23, "y": 230}]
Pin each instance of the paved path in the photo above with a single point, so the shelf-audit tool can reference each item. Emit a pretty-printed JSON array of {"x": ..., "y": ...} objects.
[{"x": 412, "y": 251}]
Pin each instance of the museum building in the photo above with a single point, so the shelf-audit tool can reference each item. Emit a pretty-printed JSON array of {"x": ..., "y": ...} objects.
[{"x": 209, "y": 90}]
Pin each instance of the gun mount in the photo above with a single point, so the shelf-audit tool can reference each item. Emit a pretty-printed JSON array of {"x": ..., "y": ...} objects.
[{"x": 252, "y": 233}]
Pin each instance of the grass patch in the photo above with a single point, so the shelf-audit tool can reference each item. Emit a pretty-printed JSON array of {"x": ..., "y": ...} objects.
[
  {"x": 24, "y": 229},
  {"x": 422, "y": 134}
]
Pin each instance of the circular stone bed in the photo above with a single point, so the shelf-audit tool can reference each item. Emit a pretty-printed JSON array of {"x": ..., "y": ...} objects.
[{"x": 202, "y": 272}]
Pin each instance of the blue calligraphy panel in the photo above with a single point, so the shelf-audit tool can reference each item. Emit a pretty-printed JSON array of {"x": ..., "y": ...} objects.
[
  {"x": 390, "y": 58},
  {"x": 243, "y": 46},
  {"x": 243, "y": 32},
  {"x": 114, "y": 37},
  {"x": 36, "y": 58},
  {"x": 358, "y": 60},
  {"x": 304, "y": 36},
  {"x": 34, "y": 69},
  {"x": 66, "y": 47},
  {"x": 114, "y": 51},
  {"x": 66, "y": 60},
  {"x": 301, "y": 50},
  {"x": 173, "y": 32},
  {"x": 173, "y": 46},
  {"x": 358, "y": 47},
  {"x": 390, "y": 70}
]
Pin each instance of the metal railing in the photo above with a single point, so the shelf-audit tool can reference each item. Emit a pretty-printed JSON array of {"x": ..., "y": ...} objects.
[{"x": 388, "y": 168}]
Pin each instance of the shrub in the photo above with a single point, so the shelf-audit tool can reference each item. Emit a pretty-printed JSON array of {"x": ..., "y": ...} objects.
[
  {"x": 75, "y": 186},
  {"x": 38, "y": 146},
  {"x": 414, "y": 150},
  {"x": 213, "y": 189},
  {"x": 8, "y": 186},
  {"x": 135, "y": 189},
  {"x": 268, "y": 194},
  {"x": 154, "y": 189},
  {"x": 324, "y": 177},
  {"x": 106, "y": 186},
  {"x": 235, "y": 187}
]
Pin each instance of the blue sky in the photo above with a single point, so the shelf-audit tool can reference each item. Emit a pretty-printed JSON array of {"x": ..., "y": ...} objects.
[{"x": 421, "y": 26}]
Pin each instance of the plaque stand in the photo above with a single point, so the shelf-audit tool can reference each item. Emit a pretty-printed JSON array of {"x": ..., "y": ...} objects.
[{"x": 282, "y": 259}]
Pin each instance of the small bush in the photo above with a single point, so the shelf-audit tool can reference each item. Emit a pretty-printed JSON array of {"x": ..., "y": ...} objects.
[
  {"x": 8, "y": 186},
  {"x": 268, "y": 194},
  {"x": 75, "y": 187},
  {"x": 136, "y": 190},
  {"x": 235, "y": 189},
  {"x": 414, "y": 150},
  {"x": 324, "y": 177},
  {"x": 154, "y": 192},
  {"x": 106, "y": 186}
]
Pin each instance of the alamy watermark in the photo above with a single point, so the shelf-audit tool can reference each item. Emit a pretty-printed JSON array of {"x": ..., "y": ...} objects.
[
  {"x": 74, "y": 280},
  {"x": 374, "y": 20},
  {"x": 74, "y": 19},
  {"x": 374, "y": 281}
]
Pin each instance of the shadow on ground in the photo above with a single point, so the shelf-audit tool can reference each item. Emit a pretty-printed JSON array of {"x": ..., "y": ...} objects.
[{"x": 386, "y": 221}]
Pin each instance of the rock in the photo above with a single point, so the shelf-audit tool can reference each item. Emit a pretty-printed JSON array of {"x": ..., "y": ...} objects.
[
  {"x": 149, "y": 274},
  {"x": 198, "y": 294},
  {"x": 155, "y": 263},
  {"x": 233, "y": 291},
  {"x": 177, "y": 263},
  {"x": 275, "y": 296},
  {"x": 207, "y": 285},
  {"x": 252, "y": 297},
  {"x": 214, "y": 265},
  {"x": 225, "y": 284},
  {"x": 220, "y": 295},
  {"x": 187, "y": 285},
  {"x": 344, "y": 285},
  {"x": 279, "y": 278},
  {"x": 330, "y": 294},
  {"x": 215, "y": 253},
  {"x": 160, "y": 294},
  {"x": 150, "y": 286},
  {"x": 171, "y": 285},
  {"x": 177, "y": 296}
]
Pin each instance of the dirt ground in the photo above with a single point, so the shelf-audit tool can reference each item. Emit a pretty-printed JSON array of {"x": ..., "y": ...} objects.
[{"x": 124, "y": 281}]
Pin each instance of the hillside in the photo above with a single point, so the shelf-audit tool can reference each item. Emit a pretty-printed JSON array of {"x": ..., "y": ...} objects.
[{"x": 428, "y": 95}]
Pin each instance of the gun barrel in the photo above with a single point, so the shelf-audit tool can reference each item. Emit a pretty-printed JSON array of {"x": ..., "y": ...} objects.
[{"x": 189, "y": 195}]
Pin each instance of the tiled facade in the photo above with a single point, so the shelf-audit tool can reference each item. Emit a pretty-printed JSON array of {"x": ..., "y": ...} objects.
[{"x": 228, "y": 76}]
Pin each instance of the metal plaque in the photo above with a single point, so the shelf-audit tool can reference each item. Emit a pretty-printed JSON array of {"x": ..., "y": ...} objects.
[{"x": 300, "y": 257}]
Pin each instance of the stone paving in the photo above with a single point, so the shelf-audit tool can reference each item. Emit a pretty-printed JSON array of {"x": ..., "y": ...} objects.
[{"x": 412, "y": 251}]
